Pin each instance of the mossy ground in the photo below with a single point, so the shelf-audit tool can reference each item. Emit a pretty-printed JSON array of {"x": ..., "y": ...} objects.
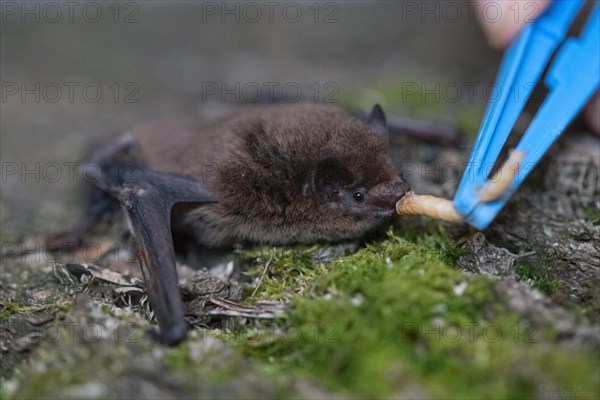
[
  {"x": 396, "y": 314},
  {"x": 394, "y": 319}
]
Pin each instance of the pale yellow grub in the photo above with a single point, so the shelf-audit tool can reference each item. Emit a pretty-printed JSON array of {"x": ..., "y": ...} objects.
[
  {"x": 503, "y": 178},
  {"x": 428, "y": 206}
]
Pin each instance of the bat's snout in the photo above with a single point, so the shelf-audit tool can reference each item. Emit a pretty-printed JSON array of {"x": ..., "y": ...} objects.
[
  {"x": 401, "y": 188},
  {"x": 387, "y": 194}
]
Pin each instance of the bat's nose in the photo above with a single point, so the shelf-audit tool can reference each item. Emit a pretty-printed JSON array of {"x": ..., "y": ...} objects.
[
  {"x": 400, "y": 188},
  {"x": 388, "y": 193}
]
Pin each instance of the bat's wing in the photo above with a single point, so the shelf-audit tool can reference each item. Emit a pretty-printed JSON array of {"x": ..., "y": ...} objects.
[{"x": 146, "y": 199}]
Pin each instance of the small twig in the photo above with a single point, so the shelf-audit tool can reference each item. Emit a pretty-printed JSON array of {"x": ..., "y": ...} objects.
[
  {"x": 267, "y": 265},
  {"x": 229, "y": 313},
  {"x": 526, "y": 254},
  {"x": 232, "y": 309}
]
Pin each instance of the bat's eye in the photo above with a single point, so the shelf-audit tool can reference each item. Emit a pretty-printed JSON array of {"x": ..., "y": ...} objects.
[{"x": 359, "y": 196}]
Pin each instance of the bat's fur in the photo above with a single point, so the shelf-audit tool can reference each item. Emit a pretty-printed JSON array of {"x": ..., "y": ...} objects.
[{"x": 260, "y": 163}]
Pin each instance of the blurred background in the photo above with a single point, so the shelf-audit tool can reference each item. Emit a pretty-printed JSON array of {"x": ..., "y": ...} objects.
[{"x": 74, "y": 72}]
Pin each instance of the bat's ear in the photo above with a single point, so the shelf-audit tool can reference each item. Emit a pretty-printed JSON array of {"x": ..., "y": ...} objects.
[
  {"x": 377, "y": 120},
  {"x": 330, "y": 176}
]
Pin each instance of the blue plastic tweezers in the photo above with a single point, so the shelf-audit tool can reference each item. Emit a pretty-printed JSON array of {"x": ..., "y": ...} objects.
[{"x": 572, "y": 79}]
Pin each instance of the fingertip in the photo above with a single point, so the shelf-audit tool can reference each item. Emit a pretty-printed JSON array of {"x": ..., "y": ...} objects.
[{"x": 502, "y": 21}]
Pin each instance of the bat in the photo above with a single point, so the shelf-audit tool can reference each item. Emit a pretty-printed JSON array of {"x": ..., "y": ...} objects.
[{"x": 279, "y": 174}]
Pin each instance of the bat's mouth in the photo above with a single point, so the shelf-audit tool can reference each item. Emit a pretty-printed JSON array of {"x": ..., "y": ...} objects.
[
  {"x": 387, "y": 194},
  {"x": 400, "y": 196},
  {"x": 385, "y": 213},
  {"x": 386, "y": 209}
]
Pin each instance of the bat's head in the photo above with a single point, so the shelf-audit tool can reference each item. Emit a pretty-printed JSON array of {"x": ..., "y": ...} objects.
[
  {"x": 341, "y": 190},
  {"x": 310, "y": 173},
  {"x": 358, "y": 182}
]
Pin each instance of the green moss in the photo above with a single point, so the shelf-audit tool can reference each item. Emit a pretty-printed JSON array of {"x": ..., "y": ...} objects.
[
  {"x": 592, "y": 214},
  {"x": 543, "y": 284},
  {"x": 282, "y": 272},
  {"x": 392, "y": 316},
  {"x": 547, "y": 286},
  {"x": 177, "y": 358},
  {"x": 9, "y": 308},
  {"x": 432, "y": 239}
]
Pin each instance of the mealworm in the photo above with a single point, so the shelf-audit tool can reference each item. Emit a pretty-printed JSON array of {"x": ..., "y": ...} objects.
[
  {"x": 428, "y": 206},
  {"x": 503, "y": 178}
]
